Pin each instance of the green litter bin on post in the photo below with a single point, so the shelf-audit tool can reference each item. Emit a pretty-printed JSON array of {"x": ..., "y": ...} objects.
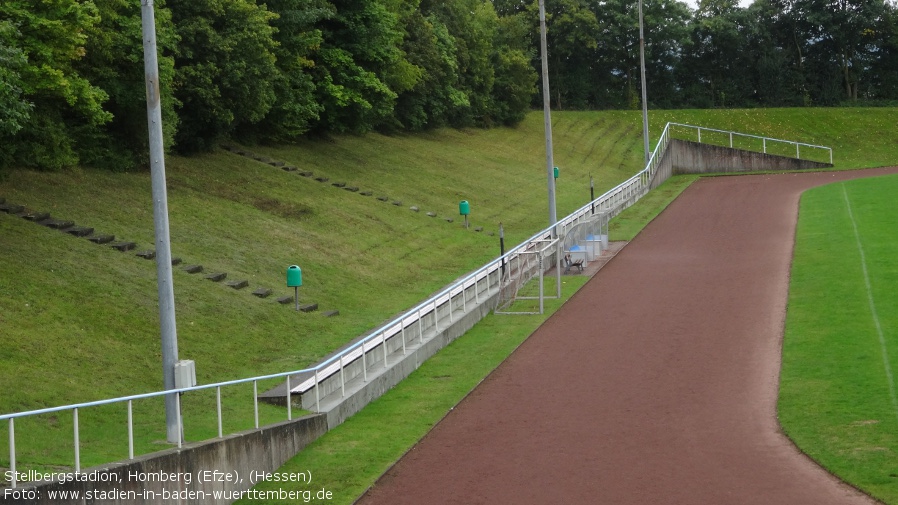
[
  {"x": 464, "y": 208},
  {"x": 294, "y": 280},
  {"x": 294, "y": 276}
]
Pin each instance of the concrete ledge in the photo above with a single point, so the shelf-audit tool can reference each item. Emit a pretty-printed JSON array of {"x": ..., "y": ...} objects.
[
  {"x": 181, "y": 470},
  {"x": 360, "y": 393},
  {"x": 694, "y": 158}
]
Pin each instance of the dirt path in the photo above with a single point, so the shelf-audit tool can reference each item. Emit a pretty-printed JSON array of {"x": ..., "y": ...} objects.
[{"x": 655, "y": 384}]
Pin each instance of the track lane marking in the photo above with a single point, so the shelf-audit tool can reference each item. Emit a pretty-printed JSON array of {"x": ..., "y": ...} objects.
[{"x": 882, "y": 341}]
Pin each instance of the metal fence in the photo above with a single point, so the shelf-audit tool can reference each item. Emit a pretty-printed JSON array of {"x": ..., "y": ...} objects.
[
  {"x": 729, "y": 137},
  {"x": 434, "y": 313}
]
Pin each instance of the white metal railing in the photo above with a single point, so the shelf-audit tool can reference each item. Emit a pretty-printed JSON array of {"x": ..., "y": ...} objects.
[
  {"x": 450, "y": 300},
  {"x": 764, "y": 140}
]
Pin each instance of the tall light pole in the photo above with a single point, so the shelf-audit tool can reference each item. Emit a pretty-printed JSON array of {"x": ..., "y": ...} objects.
[
  {"x": 645, "y": 105},
  {"x": 160, "y": 219},
  {"x": 547, "y": 114}
]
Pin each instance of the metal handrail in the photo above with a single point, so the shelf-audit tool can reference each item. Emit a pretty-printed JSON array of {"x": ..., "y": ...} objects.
[
  {"x": 764, "y": 140},
  {"x": 612, "y": 202}
]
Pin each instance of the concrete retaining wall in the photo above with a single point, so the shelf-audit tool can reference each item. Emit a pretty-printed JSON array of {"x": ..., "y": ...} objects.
[
  {"x": 338, "y": 408},
  {"x": 694, "y": 158},
  {"x": 166, "y": 476}
]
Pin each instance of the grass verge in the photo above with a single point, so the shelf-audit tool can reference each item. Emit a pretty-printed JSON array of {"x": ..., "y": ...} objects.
[{"x": 836, "y": 401}]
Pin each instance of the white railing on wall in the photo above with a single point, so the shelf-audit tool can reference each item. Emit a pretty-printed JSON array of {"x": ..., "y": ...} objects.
[
  {"x": 435, "y": 313},
  {"x": 730, "y": 136}
]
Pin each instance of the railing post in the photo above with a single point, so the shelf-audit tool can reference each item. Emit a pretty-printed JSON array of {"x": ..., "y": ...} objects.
[
  {"x": 180, "y": 428},
  {"x": 798, "y": 150},
  {"x": 364, "y": 363},
  {"x": 541, "y": 288},
  {"x": 420, "y": 328},
  {"x": 289, "y": 403},
  {"x": 436, "y": 319},
  {"x": 317, "y": 394},
  {"x": 699, "y": 135},
  {"x": 731, "y": 140},
  {"x": 830, "y": 156},
  {"x": 12, "y": 452},
  {"x": 402, "y": 330},
  {"x": 451, "y": 318},
  {"x": 256, "y": 402},
  {"x": 130, "y": 431},
  {"x": 342, "y": 378},
  {"x": 218, "y": 408},
  {"x": 383, "y": 343},
  {"x": 765, "y": 145},
  {"x": 77, "y": 441}
]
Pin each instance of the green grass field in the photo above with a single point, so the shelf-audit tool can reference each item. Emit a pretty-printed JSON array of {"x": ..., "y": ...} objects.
[
  {"x": 837, "y": 396},
  {"x": 79, "y": 321}
]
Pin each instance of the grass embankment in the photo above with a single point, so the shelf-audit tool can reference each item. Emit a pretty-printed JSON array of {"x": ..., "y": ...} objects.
[
  {"x": 837, "y": 397},
  {"x": 79, "y": 321},
  {"x": 859, "y": 137}
]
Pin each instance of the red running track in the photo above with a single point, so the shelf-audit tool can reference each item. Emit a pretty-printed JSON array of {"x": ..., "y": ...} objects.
[{"x": 655, "y": 384}]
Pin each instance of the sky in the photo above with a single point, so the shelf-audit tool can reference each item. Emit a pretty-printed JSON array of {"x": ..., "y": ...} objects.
[{"x": 694, "y": 3}]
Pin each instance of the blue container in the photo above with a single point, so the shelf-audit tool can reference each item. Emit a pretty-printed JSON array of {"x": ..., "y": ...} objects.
[{"x": 464, "y": 208}]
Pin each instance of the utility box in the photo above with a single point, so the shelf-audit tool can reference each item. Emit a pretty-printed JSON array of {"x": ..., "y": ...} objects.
[
  {"x": 185, "y": 374},
  {"x": 464, "y": 208},
  {"x": 294, "y": 276}
]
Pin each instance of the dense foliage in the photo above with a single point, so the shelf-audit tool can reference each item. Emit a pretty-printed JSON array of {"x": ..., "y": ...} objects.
[
  {"x": 771, "y": 53},
  {"x": 72, "y": 81}
]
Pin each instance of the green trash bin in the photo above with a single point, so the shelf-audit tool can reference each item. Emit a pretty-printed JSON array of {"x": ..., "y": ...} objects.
[{"x": 294, "y": 276}]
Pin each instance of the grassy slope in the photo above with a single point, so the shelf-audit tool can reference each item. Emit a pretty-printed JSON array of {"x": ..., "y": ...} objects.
[
  {"x": 860, "y": 137},
  {"x": 79, "y": 321},
  {"x": 835, "y": 400}
]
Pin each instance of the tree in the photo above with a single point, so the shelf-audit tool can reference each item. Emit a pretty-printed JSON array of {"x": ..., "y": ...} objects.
[
  {"x": 836, "y": 40},
  {"x": 717, "y": 68},
  {"x": 472, "y": 25},
  {"x": 432, "y": 102},
  {"x": 516, "y": 78},
  {"x": 295, "y": 109},
  {"x": 51, "y": 37},
  {"x": 883, "y": 81},
  {"x": 571, "y": 37},
  {"x": 14, "y": 108},
  {"x": 115, "y": 63},
  {"x": 224, "y": 68},
  {"x": 666, "y": 33},
  {"x": 362, "y": 66}
]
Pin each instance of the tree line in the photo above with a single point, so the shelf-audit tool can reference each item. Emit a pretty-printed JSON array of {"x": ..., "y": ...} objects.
[
  {"x": 773, "y": 53},
  {"x": 72, "y": 87}
]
